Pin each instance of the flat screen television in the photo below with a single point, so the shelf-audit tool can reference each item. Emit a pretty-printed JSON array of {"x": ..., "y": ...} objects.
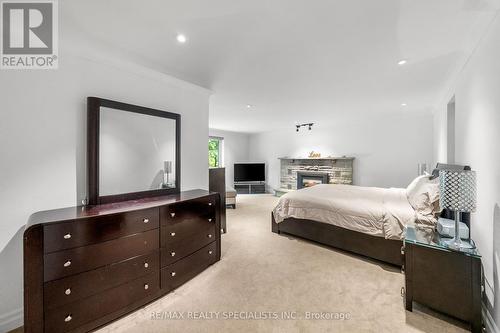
[{"x": 249, "y": 172}]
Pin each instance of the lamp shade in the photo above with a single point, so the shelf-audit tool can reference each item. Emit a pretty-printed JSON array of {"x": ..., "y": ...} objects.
[{"x": 457, "y": 189}]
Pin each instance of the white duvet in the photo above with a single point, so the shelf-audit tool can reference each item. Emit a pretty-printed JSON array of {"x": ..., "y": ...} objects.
[{"x": 374, "y": 211}]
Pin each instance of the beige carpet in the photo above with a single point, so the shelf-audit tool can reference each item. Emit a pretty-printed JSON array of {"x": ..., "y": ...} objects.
[{"x": 264, "y": 272}]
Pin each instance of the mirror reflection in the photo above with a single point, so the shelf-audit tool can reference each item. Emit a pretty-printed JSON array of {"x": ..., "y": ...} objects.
[{"x": 136, "y": 152}]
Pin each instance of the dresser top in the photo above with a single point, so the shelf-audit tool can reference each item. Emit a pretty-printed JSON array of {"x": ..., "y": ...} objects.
[{"x": 80, "y": 212}]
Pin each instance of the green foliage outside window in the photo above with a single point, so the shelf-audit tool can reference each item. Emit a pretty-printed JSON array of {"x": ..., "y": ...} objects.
[{"x": 213, "y": 152}]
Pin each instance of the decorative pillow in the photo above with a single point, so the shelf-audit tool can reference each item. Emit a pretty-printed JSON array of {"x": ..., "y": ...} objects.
[
  {"x": 422, "y": 194},
  {"x": 433, "y": 190}
]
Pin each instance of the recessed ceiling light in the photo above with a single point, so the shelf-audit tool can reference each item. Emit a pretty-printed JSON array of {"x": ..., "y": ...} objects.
[
  {"x": 402, "y": 62},
  {"x": 249, "y": 106},
  {"x": 404, "y": 104},
  {"x": 181, "y": 38}
]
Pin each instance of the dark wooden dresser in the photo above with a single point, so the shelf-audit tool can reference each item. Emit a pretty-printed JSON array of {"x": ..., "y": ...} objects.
[
  {"x": 87, "y": 266},
  {"x": 217, "y": 183}
]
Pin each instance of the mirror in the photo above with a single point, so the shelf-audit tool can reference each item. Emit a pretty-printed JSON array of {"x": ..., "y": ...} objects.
[{"x": 135, "y": 151}]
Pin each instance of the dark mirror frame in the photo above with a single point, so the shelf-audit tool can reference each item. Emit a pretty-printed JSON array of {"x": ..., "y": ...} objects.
[{"x": 94, "y": 105}]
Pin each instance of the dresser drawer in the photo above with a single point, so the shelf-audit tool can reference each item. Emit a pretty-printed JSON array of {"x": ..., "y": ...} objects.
[
  {"x": 77, "y": 233},
  {"x": 201, "y": 207},
  {"x": 73, "y": 288},
  {"x": 73, "y": 315},
  {"x": 184, "y": 238},
  {"x": 81, "y": 259},
  {"x": 185, "y": 269}
]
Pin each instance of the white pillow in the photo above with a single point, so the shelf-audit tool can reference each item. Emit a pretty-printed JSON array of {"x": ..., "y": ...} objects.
[{"x": 422, "y": 193}]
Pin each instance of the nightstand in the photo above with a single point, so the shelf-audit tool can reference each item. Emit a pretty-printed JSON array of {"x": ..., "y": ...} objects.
[{"x": 441, "y": 279}]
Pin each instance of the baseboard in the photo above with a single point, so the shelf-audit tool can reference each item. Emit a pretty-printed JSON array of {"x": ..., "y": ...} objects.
[
  {"x": 11, "y": 320},
  {"x": 489, "y": 323}
]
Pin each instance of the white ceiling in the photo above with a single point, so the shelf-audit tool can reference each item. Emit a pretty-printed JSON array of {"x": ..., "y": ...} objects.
[{"x": 294, "y": 60}]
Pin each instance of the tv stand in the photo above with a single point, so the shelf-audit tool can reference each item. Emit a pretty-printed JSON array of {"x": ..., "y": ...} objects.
[{"x": 250, "y": 187}]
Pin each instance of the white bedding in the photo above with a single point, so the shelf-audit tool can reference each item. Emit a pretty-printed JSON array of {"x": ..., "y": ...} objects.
[{"x": 371, "y": 210}]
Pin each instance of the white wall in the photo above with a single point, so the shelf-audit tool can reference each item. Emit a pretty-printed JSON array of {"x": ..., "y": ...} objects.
[
  {"x": 440, "y": 136},
  {"x": 235, "y": 150},
  {"x": 42, "y": 143},
  {"x": 477, "y": 144},
  {"x": 387, "y": 149}
]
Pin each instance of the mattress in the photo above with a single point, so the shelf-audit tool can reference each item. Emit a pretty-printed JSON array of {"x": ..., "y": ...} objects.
[{"x": 381, "y": 212}]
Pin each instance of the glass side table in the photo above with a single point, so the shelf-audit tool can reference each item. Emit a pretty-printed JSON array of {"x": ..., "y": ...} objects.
[
  {"x": 430, "y": 238},
  {"x": 445, "y": 280}
]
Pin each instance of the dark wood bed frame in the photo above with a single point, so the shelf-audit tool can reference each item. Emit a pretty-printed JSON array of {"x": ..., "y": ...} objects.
[{"x": 387, "y": 250}]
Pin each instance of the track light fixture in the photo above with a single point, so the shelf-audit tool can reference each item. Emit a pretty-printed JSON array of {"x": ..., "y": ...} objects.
[{"x": 298, "y": 126}]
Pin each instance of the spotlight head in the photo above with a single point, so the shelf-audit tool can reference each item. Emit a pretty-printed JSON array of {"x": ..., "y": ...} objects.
[{"x": 310, "y": 126}]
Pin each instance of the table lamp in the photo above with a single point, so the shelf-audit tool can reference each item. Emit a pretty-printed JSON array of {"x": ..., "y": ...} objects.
[
  {"x": 457, "y": 189},
  {"x": 167, "y": 170}
]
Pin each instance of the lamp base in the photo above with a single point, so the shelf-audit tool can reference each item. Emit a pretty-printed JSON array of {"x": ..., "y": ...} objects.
[{"x": 457, "y": 244}]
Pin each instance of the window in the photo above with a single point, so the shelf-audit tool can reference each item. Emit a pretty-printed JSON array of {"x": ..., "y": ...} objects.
[{"x": 215, "y": 157}]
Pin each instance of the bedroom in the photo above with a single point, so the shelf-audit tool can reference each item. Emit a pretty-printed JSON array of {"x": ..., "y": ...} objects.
[{"x": 390, "y": 87}]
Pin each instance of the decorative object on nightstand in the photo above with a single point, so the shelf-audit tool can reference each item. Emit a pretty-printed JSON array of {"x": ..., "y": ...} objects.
[
  {"x": 458, "y": 193},
  {"x": 442, "y": 279},
  {"x": 446, "y": 228}
]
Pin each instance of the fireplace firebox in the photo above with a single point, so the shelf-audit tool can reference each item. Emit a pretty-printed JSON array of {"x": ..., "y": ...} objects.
[{"x": 308, "y": 178}]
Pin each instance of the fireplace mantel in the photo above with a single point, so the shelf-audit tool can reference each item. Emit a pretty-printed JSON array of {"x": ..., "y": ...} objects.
[{"x": 316, "y": 158}]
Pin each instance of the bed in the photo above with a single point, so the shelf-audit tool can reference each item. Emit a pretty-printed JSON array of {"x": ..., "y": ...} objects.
[{"x": 369, "y": 221}]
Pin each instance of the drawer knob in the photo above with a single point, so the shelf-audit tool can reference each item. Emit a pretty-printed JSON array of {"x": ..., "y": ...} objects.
[
  {"x": 146, "y": 220},
  {"x": 172, "y": 214},
  {"x": 172, "y": 234},
  {"x": 67, "y": 263},
  {"x": 68, "y": 318},
  {"x": 209, "y": 235},
  {"x": 209, "y": 220},
  {"x": 210, "y": 252},
  {"x": 146, "y": 286},
  {"x": 210, "y": 204},
  {"x": 146, "y": 265},
  {"x": 67, "y": 236},
  {"x": 173, "y": 273},
  {"x": 402, "y": 269},
  {"x": 68, "y": 291},
  {"x": 172, "y": 254}
]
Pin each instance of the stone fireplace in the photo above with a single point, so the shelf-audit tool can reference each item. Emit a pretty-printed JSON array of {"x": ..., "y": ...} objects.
[
  {"x": 309, "y": 179},
  {"x": 333, "y": 170}
]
